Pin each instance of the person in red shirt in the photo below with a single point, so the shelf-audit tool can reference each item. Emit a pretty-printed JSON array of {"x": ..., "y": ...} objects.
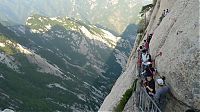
[
  {"x": 139, "y": 62},
  {"x": 146, "y": 45},
  {"x": 149, "y": 37}
]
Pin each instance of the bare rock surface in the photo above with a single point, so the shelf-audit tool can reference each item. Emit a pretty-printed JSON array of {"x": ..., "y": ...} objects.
[{"x": 177, "y": 37}]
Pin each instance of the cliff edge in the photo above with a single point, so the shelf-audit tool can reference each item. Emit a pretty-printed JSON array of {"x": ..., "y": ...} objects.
[{"x": 176, "y": 35}]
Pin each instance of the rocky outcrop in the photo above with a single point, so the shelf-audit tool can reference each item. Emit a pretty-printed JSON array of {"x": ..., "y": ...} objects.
[{"x": 177, "y": 37}]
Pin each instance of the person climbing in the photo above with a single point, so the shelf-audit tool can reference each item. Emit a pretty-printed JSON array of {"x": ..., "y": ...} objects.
[
  {"x": 163, "y": 13},
  {"x": 140, "y": 51},
  {"x": 149, "y": 37},
  {"x": 139, "y": 62},
  {"x": 146, "y": 44},
  {"x": 149, "y": 84},
  {"x": 163, "y": 78},
  {"x": 150, "y": 71},
  {"x": 146, "y": 57},
  {"x": 161, "y": 92},
  {"x": 162, "y": 16},
  {"x": 167, "y": 11},
  {"x": 143, "y": 44}
]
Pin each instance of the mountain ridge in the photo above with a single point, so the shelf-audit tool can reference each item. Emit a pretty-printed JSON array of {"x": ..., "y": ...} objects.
[
  {"x": 115, "y": 14},
  {"x": 69, "y": 70}
]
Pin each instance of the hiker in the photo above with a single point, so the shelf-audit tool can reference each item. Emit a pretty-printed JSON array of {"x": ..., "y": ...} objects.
[
  {"x": 163, "y": 78},
  {"x": 150, "y": 71},
  {"x": 146, "y": 59},
  {"x": 140, "y": 51},
  {"x": 139, "y": 62},
  {"x": 146, "y": 71},
  {"x": 163, "y": 14},
  {"x": 149, "y": 37},
  {"x": 161, "y": 92},
  {"x": 167, "y": 11},
  {"x": 149, "y": 84},
  {"x": 146, "y": 45},
  {"x": 143, "y": 44}
]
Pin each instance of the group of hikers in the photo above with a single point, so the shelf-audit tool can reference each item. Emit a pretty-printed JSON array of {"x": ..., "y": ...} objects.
[
  {"x": 148, "y": 74},
  {"x": 154, "y": 84},
  {"x": 164, "y": 13}
]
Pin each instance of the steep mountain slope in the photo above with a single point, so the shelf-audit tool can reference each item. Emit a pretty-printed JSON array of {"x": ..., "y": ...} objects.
[
  {"x": 58, "y": 64},
  {"x": 114, "y": 14},
  {"x": 177, "y": 37}
]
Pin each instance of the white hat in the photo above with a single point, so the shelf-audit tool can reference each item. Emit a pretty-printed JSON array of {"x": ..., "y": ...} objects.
[
  {"x": 148, "y": 63},
  {"x": 160, "y": 81}
]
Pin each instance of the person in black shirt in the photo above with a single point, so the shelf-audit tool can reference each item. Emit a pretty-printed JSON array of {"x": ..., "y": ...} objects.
[
  {"x": 149, "y": 84},
  {"x": 149, "y": 71}
]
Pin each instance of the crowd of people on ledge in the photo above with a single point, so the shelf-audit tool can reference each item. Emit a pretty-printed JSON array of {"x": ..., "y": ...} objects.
[
  {"x": 148, "y": 74},
  {"x": 154, "y": 85}
]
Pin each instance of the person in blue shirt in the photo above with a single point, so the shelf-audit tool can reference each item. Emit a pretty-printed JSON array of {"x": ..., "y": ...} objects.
[{"x": 161, "y": 92}]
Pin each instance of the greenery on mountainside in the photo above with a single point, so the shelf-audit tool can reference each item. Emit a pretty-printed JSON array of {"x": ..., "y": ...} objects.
[
  {"x": 126, "y": 96},
  {"x": 143, "y": 21},
  {"x": 39, "y": 23},
  {"x": 141, "y": 26},
  {"x": 146, "y": 8},
  {"x": 8, "y": 48},
  {"x": 29, "y": 89},
  {"x": 85, "y": 87}
]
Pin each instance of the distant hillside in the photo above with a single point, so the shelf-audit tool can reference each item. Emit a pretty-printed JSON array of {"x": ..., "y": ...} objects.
[
  {"x": 113, "y": 14},
  {"x": 58, "y": 64}
]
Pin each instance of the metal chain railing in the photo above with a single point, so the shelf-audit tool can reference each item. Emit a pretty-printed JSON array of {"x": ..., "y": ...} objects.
[{"x": 146, "y": 103}]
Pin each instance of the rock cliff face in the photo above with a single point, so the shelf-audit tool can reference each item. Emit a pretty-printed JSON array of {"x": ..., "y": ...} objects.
[{"x": 177, "y": 37}]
